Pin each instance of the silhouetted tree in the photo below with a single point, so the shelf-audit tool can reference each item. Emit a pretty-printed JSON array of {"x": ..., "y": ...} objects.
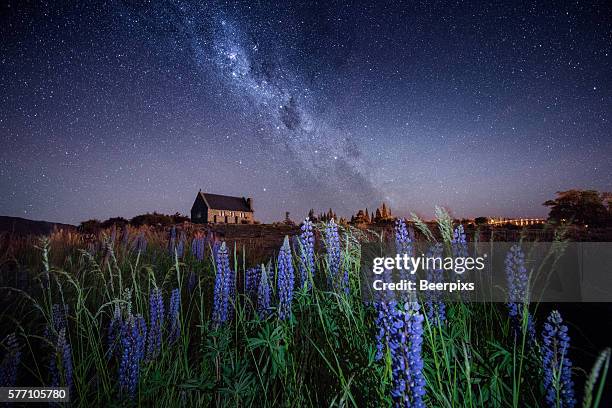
[{"x": 580, "y": 207}]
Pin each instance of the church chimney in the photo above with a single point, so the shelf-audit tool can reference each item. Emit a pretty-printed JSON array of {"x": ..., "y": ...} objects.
[{"x": 249, "y": 202}]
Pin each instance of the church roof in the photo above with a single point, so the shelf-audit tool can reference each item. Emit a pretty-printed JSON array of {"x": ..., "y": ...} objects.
[{"x": 223, "y": 202}]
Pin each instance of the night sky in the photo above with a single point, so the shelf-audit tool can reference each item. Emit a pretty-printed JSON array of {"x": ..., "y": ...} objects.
[{"x": 112, "y": 109}]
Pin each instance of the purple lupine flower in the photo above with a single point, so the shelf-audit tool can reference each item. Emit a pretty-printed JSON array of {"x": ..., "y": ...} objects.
[
  {"x": 198, "y": 246},
  {"x": 174, "y": 316},
  {"x": 251, "y": 281},
  {"x": 334, "y": 254},
  {"x": 192, "y": 281},
  {"x": 156, "y": 322},
  {"x": 10, "y": 361},
  {"x": 114, "y": 330},
  {"x": 383, "y": 321},
  {"x": 172, "y": 241},
  {"x": 405, "y": 343},
  {"x": 556, "y": 365},
  {"x": 435, "y": 307},
  {"x": 222, "y": 288},
  {"x": 404, "y": 246},
  {"x": 518, "y": 281},
  {"x": 285, "y": 281},
  {"x": 403, "y": 240},
  {"x": 307, "y": 261},
  {"x": 125, "y": 238},
  {"x": 140, "y": 244},
  {"x": 61, "y": 362},
  {"x": 263, "y": 295},
  {"x": 133, "y": 334},
  {"x": 180, "y": 247},
  {"x": 58, "y": 322},
  {"x": 458, "y": 243}
]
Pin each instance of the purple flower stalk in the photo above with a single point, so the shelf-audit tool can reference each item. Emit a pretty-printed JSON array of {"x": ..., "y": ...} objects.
[
  {"x": 435, "y": 307},
  {"x": 133, "y": 334},
  {"x": 156, "y": 322},
  {"x": 61, "y": 362},
  {"x": 140, "y": 244},
  {"x": 403, "y": 242},
  {"x": 59, "y": 321},
  {"x": 192, "y": 281},
  {"x": 222, "y": 290},
  {"x": 334, "y": 256},
  {"x": 307, "y": 261},
  {"x": 172, "y": 241},
  {"x": 285, "y": 281},
  {"x": 252, "y": 277},
  {"x": 198, "y": 246},
  {"x": 263, "y": 295},
  {"x": 557, "y": 367},
  {"x": 180, "y": 247},
  {"x": 10, "y": 361},
  {"x": 114, "y": 330},
  {"x": 401, "y": 328},
  {"x": 173, "y": 316},
  {"x": 518, "y": 280}
]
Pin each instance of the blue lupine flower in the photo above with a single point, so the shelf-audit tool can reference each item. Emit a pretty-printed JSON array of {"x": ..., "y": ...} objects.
[
  {"x": 401, "y": 330},
  {"x": 334, "y": 255},
  {"x": 114, "y": 330},
  {"x": 156, "y": 322},
  {"x": 435, "y": 307},
  {"x": 10, "y": 361},
  {"x": 263, "y": 295},
  {"x": 518, "y": 280},
  {"x": 223, "y": 284},
  {"x": 172, "y": 241},
  {"x": 403, "y": 246},
  {"x": 180, "y": 247},
  {"x": 173, "y": 316},
  {"x": 140, "y": 244},
  {"x": 198, "y": 246},
  {"x": 285, "y": 280},
  {"x": 125, "y": 238},
  {"x": 192, "y": 281},
  {"x": 403, "y": 241},
  {"x": 383, "y": 321},
  {"x": 252, "y": 276},
  {"x": 58, "y": 322},
  {"x": 306, "y": 246},
  {"x": 61, "y": 362},
  {"x": 133, "y": 334},
  {"x": 459, "y": 243},
  {"x": 557, "y": 367}
]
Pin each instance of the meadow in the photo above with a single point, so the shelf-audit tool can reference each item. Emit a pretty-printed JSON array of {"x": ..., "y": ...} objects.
[{"x": 143, "y": 316}]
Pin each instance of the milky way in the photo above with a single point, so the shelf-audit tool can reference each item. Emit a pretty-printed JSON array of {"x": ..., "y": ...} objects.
[{"x": 322, "y": 157}]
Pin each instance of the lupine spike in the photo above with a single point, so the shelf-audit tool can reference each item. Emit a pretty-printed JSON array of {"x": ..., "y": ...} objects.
[
  {"x": 557, "y": 367},
  {"x": 263, "y": 295},
  {"x": 174, "y": 316},
  {"x": 222, "y": 288},
  {"x": 518, "y": 281},
  {"x": 435, "y": 307},
  {"x": 285, "y": 280},
  {"x": 306, "y": 247},
  {"x": 156, "y": 322},
  {"x": 133, "y": 334},
  {"x": 10, "y": 361},
  {"x": 334, "y": 253}
]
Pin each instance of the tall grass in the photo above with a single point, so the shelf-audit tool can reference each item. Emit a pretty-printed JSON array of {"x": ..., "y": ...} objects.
[{"x": 324, "y": 354}]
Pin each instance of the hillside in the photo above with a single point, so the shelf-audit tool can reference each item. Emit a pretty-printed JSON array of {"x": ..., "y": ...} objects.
[{"x": 22, "y": 226}]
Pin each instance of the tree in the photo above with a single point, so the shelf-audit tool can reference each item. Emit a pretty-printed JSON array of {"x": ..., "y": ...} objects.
[
  {"x": 90, "y": 226},
  {"x": 118, "y": 221},
  {"x": 481, "y": 220},
  {"x": 580, "y": 207}
]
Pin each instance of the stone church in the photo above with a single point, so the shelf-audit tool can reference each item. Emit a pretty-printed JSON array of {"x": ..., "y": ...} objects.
[{"x": 221, "y": 209}]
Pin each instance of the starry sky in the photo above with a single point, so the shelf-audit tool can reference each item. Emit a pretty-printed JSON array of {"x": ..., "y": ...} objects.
[{"x": 115, "y": 109}]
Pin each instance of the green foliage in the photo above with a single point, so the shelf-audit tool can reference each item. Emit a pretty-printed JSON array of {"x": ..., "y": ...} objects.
[{"x": 323, "y": 356}]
